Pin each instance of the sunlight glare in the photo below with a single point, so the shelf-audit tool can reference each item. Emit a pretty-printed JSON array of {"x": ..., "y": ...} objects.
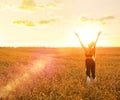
[{"x": 88, "y": 33}]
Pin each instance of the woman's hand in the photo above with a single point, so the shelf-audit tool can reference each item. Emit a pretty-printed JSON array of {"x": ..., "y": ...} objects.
[
  {"x": 99, "y": 33},
  {"x": 76, "y": 34}
]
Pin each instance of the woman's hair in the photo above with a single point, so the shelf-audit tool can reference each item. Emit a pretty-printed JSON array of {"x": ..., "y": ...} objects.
[{"x": 91, "y": 44}]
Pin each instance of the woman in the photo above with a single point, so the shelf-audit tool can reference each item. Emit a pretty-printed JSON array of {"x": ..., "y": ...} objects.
[{"x": 90, "y": 57}]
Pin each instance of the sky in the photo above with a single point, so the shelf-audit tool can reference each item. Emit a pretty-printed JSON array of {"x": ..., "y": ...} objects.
[{"x": 52, "y": 23}]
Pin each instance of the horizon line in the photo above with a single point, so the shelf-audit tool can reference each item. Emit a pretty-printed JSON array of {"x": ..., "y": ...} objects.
[{"x": 55, "y": 47}]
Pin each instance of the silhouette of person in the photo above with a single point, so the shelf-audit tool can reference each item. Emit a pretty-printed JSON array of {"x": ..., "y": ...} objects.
[{"x": 90, "y": 57}]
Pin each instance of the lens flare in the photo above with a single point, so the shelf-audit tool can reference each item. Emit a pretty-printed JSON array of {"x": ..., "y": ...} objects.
[{"x": 36, "y": 68}]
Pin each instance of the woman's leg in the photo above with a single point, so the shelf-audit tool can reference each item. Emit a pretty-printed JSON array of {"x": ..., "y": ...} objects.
[
  {"x": 93, "y": 69},
  {"x": 87, "y": 68}
]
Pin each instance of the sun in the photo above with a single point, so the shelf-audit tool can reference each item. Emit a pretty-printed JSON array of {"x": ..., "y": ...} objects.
[{"x": 88, "y": 33}]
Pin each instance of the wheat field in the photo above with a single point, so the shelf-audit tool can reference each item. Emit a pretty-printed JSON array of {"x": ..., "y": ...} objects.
[{"x": 57, "y": 74}]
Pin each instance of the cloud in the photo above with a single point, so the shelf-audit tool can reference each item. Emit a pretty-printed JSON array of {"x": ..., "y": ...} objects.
[
  {"x": 24, "y": 22},
  {"x": 50, "y": 21},
  {"x": 31, "y": 23},
  {"x": 53, "y": 3},
  {"x": 32, "y": 5},
  {"x": 107, "y": 18},
  {"x": 102, "y": 20},
  {"x": 28, "y": 4}
]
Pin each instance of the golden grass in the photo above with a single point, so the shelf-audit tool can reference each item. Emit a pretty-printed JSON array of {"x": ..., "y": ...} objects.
[{"x": 57, "y": 74}]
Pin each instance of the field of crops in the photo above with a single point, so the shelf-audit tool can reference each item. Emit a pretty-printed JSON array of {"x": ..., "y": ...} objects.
[{"x": 57, "y": 74}]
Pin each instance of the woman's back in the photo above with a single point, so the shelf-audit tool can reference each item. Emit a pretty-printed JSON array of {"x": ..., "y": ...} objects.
[{"x": 89, "y": 52}]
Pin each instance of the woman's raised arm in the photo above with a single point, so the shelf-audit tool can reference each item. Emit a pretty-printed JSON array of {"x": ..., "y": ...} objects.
[
  {"x": 97, "y": 37},
  {"x": 80, "y": 40}
]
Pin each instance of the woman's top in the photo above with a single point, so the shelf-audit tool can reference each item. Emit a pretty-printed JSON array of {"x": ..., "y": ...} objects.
[{"x": 90, "y": 53}]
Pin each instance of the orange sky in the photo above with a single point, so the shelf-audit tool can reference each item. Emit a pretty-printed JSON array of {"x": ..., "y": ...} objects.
[{"x": 53, "y": 22}]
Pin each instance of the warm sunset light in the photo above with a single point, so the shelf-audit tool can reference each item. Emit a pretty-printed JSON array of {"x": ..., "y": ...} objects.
[
  {"x": 59, "y": 49},
  {"x": 88, "y": 33},
  {"x": 51, "y": 23}
]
